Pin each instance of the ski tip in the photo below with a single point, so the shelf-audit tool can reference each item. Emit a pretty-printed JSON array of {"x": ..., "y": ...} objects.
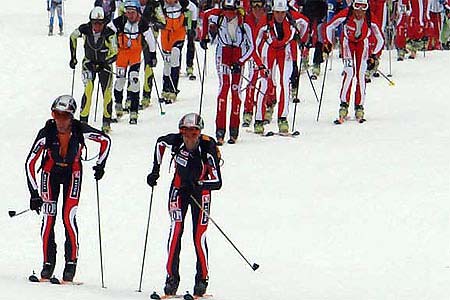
[
  {"x": 338, "y": 121},
  {"x": 188, "y": 296},
  {"x": 33, "y": 278},
  {"x": 295, "y": 133},
  {"x": 270, "y": 133},
  {"x": 155, "y": 296},
  {"x": 55, "y": 280}
]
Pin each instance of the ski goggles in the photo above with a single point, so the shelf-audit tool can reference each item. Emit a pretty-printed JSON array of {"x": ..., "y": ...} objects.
[
  {"x": 360, "y": 6},
  {"x": 257, "y": 4}
]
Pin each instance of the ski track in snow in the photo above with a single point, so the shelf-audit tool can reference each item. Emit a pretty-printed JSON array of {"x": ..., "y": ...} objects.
[{"x": 350, "y": 212}]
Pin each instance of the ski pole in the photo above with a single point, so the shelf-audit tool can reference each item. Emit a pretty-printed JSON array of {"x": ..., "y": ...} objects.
[
  {"x": 73, "y": 81},
  {"x": 323, "y": 86},
  {"x": 296, "y": 100},
  {"x": 254, "y": 266},
  {"x": 13, "y": 213},
  {"x": 391, "y": 83},
  {"x": 96, "y": 100},
  {"x": 160, "y": 100},
  {"x": 312, "y": 85},
  {"x": 146, "y": 238},
  {"x": 198, "y": 66},
  {"x": 203, "y": 82},
  {"x": 99, "y": 234},
  {"x": 256, "y": 88}
]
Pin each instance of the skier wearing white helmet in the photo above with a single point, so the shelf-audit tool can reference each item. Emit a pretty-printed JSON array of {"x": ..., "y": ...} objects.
[
  {"x": 61, "y": 141},
  {"x": 356, "y": 51},
  {"x": 100, "y": 51},
  {"x": 197, "y": 172}
]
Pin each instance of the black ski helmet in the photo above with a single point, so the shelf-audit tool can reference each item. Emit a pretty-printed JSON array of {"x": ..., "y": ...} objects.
[
  {"x": 65, "y": 103},
  {"x": 191, "y": 120}
]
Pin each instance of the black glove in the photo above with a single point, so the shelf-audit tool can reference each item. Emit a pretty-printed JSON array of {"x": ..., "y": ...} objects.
[
  {"x": 371, "y": 62},
  {"x": 327, "y": 47},
  {"x": 73, "y": 62},
  {"x": 204, "y": 43},
  {"x": 235, "y": 68},
  {"x": 36, "y": 202},
  {"x": 99, "y": 172},
  {"x": 152, "y": 178}
]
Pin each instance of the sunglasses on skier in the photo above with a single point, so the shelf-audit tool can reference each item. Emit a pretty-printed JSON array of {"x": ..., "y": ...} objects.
[
  {"x": 257, "y": 5},
  {"x": 360, "y": 6},
  {"x": 61, "y": 115},
  {"x": 190, "y": 132}
]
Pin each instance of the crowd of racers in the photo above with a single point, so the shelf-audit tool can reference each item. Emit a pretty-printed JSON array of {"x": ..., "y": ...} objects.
[{"x": 261, "y": 47}]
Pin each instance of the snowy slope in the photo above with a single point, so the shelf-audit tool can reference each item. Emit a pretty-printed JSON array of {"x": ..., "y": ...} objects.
[{"x": 340, "y": 213}]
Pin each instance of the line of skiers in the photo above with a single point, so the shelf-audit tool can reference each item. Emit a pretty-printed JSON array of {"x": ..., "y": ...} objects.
[{"x": 267, "y": 39}]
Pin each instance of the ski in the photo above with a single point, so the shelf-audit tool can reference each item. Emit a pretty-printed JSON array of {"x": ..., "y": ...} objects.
[
  {"x": 55, "y": 280},
  {"x": 341, "y": 121},
  {"x": 34, "y": 278},
  {"x": 283, "y": 134},
  {"x": 187, "y": 296}
]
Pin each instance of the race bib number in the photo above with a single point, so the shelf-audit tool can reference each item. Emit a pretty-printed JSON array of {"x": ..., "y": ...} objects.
[{"x": 49, "y": 208}]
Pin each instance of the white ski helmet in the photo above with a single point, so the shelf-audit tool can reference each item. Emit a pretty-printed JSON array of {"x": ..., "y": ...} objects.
[
  {"x": 229, "y": 4},
  {"x": 360, "y": 4},
  {"x": 97, "y": 14},
  {"x": 65, "y": 103},
  {"x": 280, "y": 5},
  {"x": 191, "y": 120}
]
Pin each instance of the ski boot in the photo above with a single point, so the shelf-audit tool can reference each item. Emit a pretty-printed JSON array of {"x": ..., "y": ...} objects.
[
  {"x": 234, "y": 132},
  {"x": 69, "y": 270},
  {"x": 146, "y": 100},
  {"x": 283, "y": 125},
  {"x": 401, "y": 54},
  {"x": 47, "y": 270},
  {"x": 258, "y": 127},
  {"x": 343, "y": 112},
  {"x": 315, "y": 71},
  {"x": 133, "y": 117},
  {"x": 172, "y": 96},
  {"x": 220, "y": 133},
  {"x": 126, "y": 109},
  {"x": 119, "y": 110},
  {"x": 268, "y": 114},
  {"x": 61, "y": 32},
  {"x": 247, "y": 119},
  {"x": 359, "y": 113},
  {"x": 106, "y": 126},
  {"x": 200, "y": 287},
  {"x": 190, "y": 73},
  {"x": 171, "y": 286},
  {"x": 84, "y": 119}
]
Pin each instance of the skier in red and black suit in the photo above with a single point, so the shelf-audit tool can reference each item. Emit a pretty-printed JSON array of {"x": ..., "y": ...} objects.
[
  {"x": 197, "y": 172},
  {"x": 61, "y": 141}
]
